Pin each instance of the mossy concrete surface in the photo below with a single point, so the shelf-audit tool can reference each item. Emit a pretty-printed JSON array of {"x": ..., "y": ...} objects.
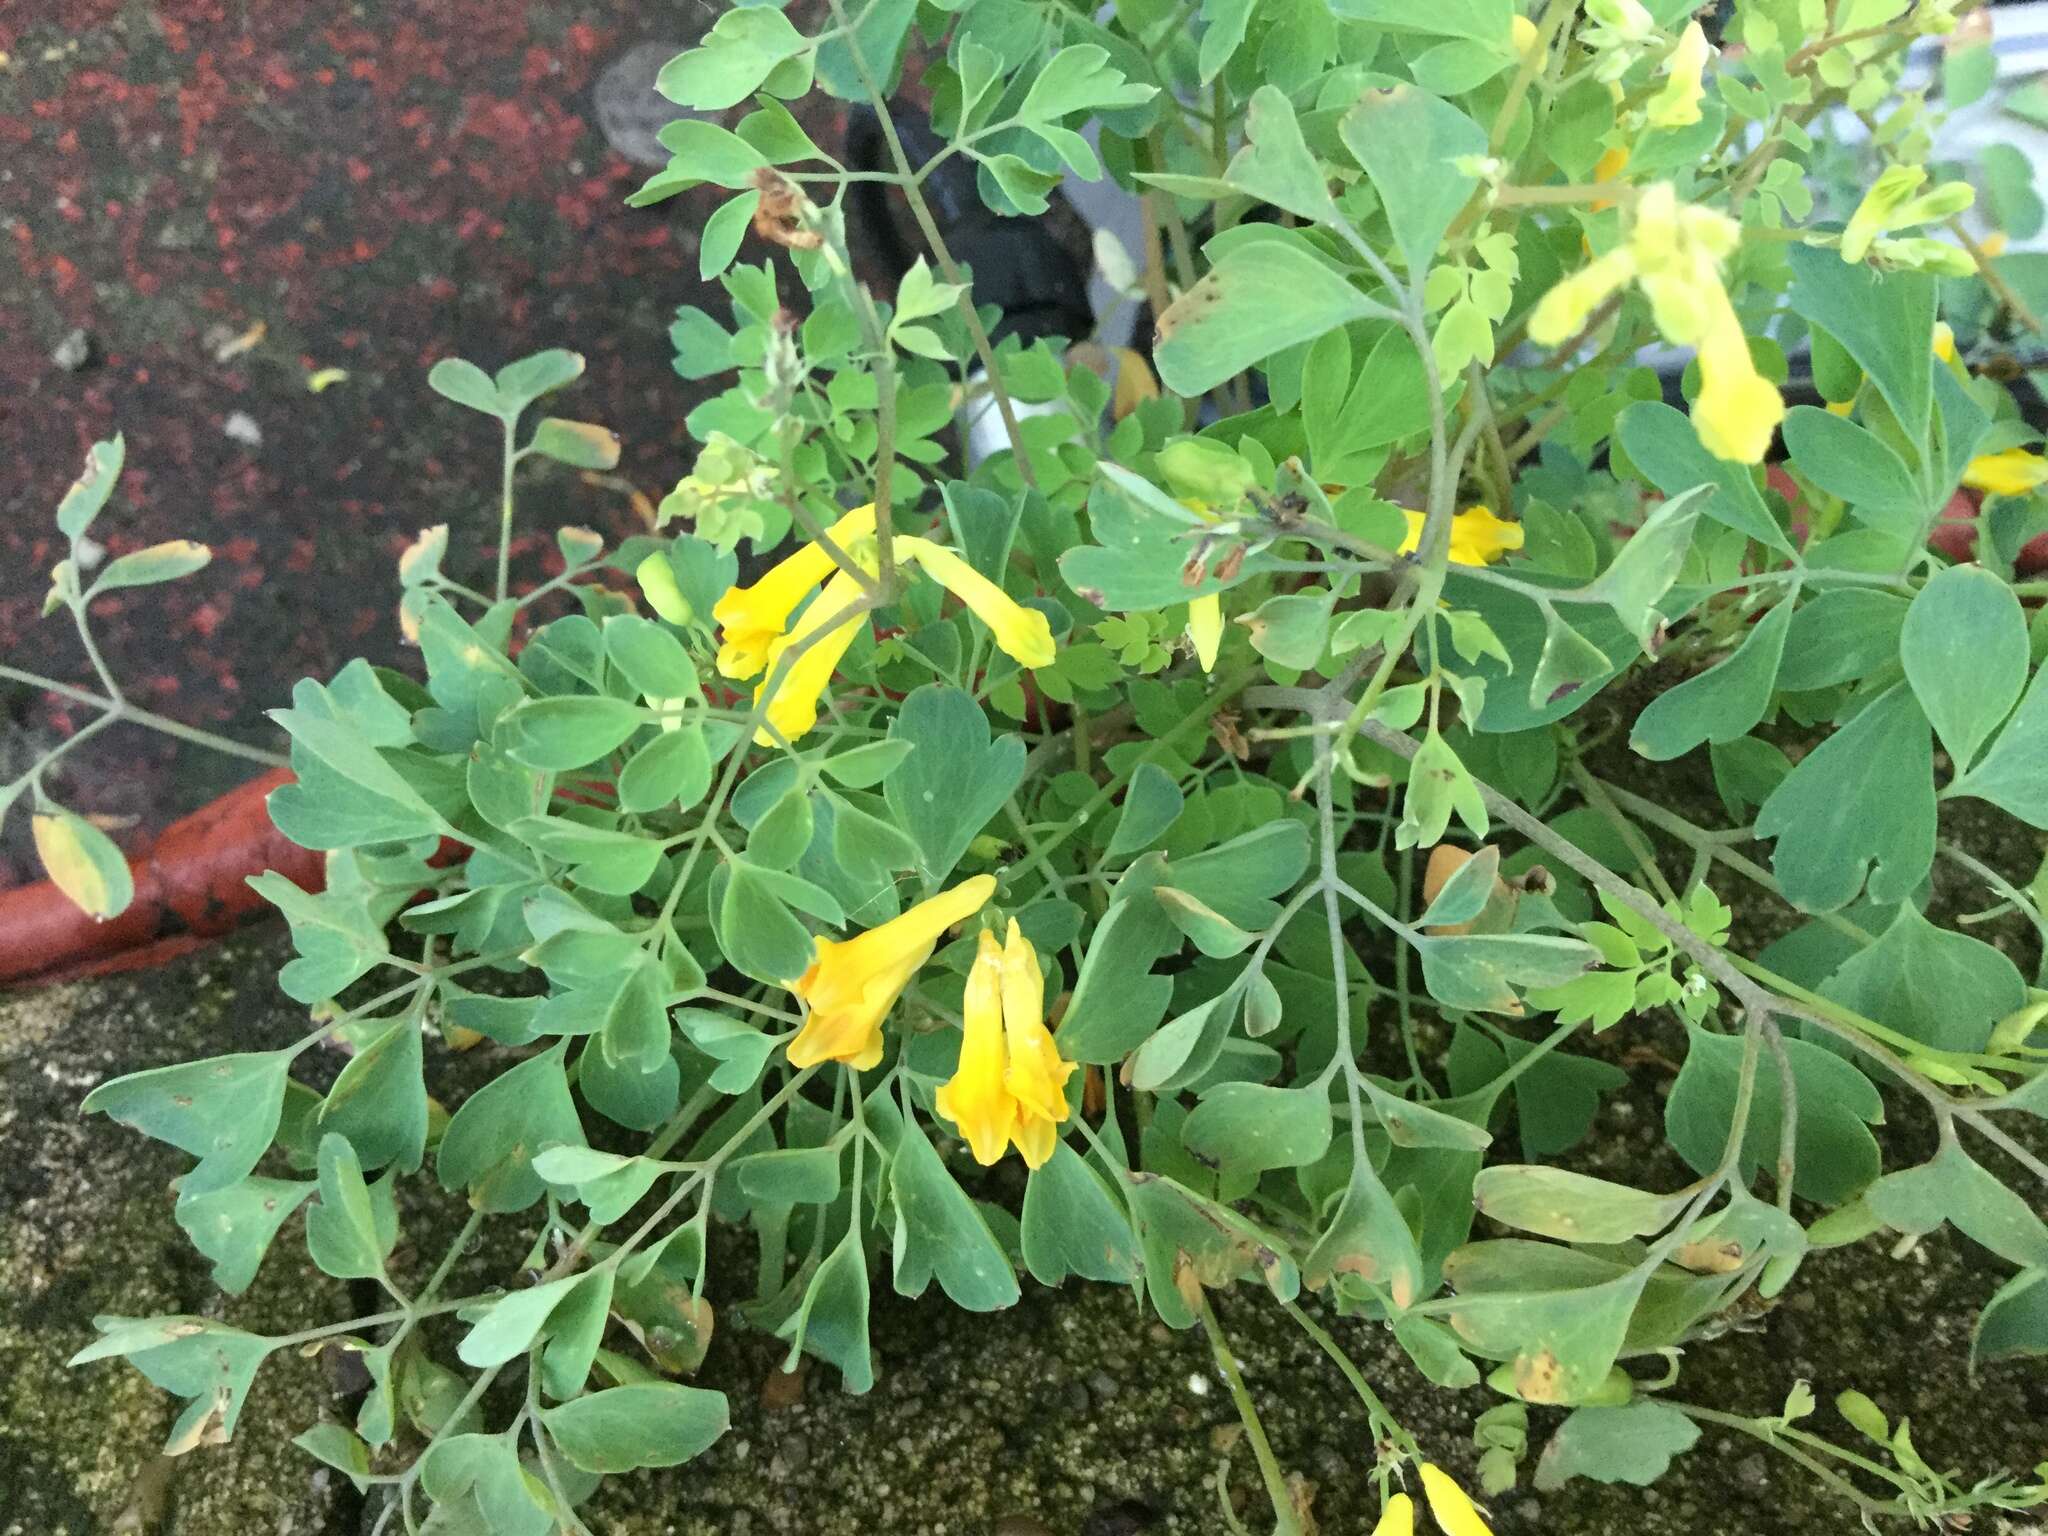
[{"x": 1074, "y": 1413}]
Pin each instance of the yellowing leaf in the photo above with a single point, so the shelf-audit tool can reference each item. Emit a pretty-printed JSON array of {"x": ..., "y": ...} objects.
[{"x": 84, "y": 863}]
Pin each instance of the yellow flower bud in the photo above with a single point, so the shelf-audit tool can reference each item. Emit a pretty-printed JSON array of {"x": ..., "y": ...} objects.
[
  {"x": 1397, "y": 1517},
  {"x": 1677, "y": 104},
  {"x": 1451, "y": 1506}
]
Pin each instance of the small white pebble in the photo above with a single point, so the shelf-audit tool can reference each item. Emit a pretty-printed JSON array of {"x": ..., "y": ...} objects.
[
  {"x": 1198, "y": 1384},
  {"x": 241, "y": 427}
]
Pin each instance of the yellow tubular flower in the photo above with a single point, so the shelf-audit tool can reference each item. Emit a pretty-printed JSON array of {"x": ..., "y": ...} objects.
[
  {"x": 1023, "y": 634},
  {"x": 853, "y": 983},
  {"x": 1677, "y": 104},
  {"x": 1565, "y": 308},
  {"x": 751, "y": 618},
  {"x": 1205, "y": 628},
  {"x": 1737, "y": 408},
  {"x": 1397, "y": 1517},
  {"x": 2011, "y": 473},
  {"x": 1011, "y": 1085},
  {"x": 793, "y": 709},
  {"x": 1523, "y": 36},
  {"x": 976, "y": 1100},
  {"x": 1477, "y": 536},
  {"x": 1944, "y": 341},
  {"x": 1453, "y": 1509}
]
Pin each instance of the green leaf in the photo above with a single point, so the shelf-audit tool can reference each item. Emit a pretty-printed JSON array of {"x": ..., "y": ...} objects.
[
  {"x": 1222, "y": 35},
  {"x": 1483, "y": 971},
  {"x": 1848, "y": 461},
  {"x": 1965, "y": 651},
  {"x": 955, "y": 778},
  {"x": 832, "y": 1322},
  {"x": 1946, "y": 990},
  {"x": 379, "y": 1103},
  {"x": 1569, "y": 664},
  {"x": 760, "y": 934},
  {"x": 1883, "y": 320},
  {"x": 1722, "y": 703},
  {"x": 234, "y": 1226},
  {"x": 635, "y": 1033},
  {"x": 208, "y": 1363},
  {"x": 83, "y": 862},
  {"x": 791, "y": 1175},
  {"x": 1954, "y": 1188},
  {"x": 567, "y": 731},
  {"x": 160, "y": 562},
  {"x": 731, "y": 60},
  {"x": 1560, "y": 1344},
  {"x": 481, "y": 1476},
  {"x": 1834, "y": 1151},
  {"x": 1437, "y": 785},
  {"x": 490, "y": 1143},
  {"x": 1214, "y": 934},
  {"x": 1409, "y": 143},
  {"x": 1840, "y": 636},
  {"x": 1074, "y": 1225},
  {"x": 340, "y": 1448},
  {"x": 1117, "y": 1001},
  {"x": 342, "y": 1230},
  {"x": 95, "y": 483},
  {"x": 1275, "y": 165},
  {"x": 465, "y": 384},
  {"x": 1263, "y": 296},
  {"x": 869, "y": 764},
  {"x": 1572, "y": 1207},
  {"x": 508, "y": 1327},
  {"x": 1480, "y": 21},
  {"x": 1367, "y": 1236},
  {"x": 1080, "y": 79},
  {"x": 521, "y": 383},
  {"x": 1184, "y": 1234},
  {"x": 649, "y": 1424},
  {"x": 939, "y": 1232},
  {"x": 1629, "y": 1444},
  {"x": 1465, "y": 895},
  {"x": 223, "y": 1110},
  {"x": 1828, "y": 837},
  {"x": 1662, "y": 443},
  {"x": 2014, "y": 773},
  {"x": 1647, "y": 564},
  {"x": 674, "y": 768},
  {"x": 2014, "y": 1321},
  {"x": 719, "y": 241},
  {"x": 577, "y": 1326},
  {"x": 1152, "y": 803},
  {"x": 337, "y": 939},
  {"x": 1246, "y": 1128}
]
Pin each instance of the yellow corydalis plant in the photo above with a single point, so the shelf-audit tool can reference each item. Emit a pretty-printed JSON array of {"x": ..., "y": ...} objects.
[
  {"x": 1010, "y": 1088},
  {"x": 1674, "y": 253},
  {"x": 755, "y": 632},
  {"x": 853, "y": 983}
]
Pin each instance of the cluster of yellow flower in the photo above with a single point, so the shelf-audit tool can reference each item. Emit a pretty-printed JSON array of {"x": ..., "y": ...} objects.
[
  {"x": 755, "y": 632},
  {"x": 1009, "y": 1088},
  {"x": 1674, "y": 253}
]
